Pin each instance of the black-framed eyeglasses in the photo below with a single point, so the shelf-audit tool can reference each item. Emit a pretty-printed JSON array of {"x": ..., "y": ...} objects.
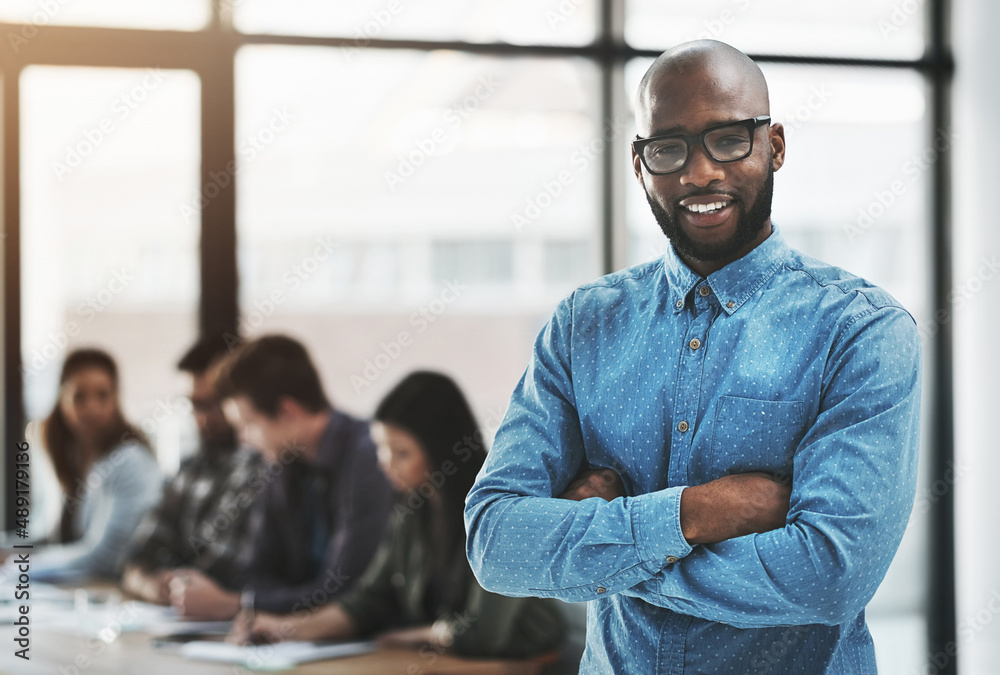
[{"x": 727, "y": 142}]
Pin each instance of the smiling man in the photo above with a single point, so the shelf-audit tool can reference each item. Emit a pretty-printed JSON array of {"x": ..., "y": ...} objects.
[{"x": 760, "y": 407}]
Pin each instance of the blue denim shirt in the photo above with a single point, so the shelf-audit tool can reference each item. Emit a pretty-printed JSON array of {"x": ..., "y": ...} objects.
[{"x": 777, "y": 363}]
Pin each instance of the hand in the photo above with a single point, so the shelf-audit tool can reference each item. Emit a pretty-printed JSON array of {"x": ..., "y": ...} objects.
[
  {"x": 602, "y": 482},
  {"x": 260, "y": 627},
  {"x": 148, "y": 586},
  {"x": 240, "y": 630},
  {"x": 734, "y": 506},
  {"x": 408, "y": 637},
  {"x": 329, "y": 622},
  {"x": 195, "y": 595}
]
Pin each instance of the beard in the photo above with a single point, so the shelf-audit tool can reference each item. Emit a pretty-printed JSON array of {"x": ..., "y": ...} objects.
[
  {"x": 749, "y": 223},
  {"x": 222, "y": 439}
]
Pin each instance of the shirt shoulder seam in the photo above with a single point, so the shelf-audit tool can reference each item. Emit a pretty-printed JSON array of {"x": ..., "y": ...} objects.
[
  {"x": 629, "y": 274},
  {"x": 857, "y": 291}
]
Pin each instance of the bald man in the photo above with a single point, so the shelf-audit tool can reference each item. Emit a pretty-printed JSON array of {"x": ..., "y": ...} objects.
[{"x": 717, "y": 449}]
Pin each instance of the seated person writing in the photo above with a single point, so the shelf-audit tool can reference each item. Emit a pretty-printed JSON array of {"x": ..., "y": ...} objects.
[
  {"x": 202, "y": 521},
  {"x": 419, "y": 589},
  {"x": 322, "y": 513}
]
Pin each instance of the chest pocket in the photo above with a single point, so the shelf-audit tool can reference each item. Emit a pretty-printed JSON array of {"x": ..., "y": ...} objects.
[{"x": 754, "y": 435}]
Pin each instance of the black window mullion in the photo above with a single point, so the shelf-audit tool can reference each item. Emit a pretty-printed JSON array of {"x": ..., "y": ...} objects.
[
  {"x": 13, "y": 413},
  {"x": 942, "y": 608},
  {"x": 219, "y": 306}
]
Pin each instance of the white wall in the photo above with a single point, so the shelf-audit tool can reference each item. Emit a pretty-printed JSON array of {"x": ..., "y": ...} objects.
[{"x": 976, "y": 186}]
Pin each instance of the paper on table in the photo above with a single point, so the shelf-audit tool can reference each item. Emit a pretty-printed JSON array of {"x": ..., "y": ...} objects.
[
  {"x": 169, "y": 628},
  {"x": 40, "y": 591},
  {"x": 105, "y": 621},
  {"x": 283, "y": 654}
]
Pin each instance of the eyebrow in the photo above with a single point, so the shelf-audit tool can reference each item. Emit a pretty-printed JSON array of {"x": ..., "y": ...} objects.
[{"x": 679, "y": 130}]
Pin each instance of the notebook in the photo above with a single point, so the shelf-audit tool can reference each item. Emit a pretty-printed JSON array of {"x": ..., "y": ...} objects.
[{"x": 280, "y": 655}]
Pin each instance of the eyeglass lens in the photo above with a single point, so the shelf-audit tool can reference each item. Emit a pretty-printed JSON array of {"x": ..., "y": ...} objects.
[{"x": 725, "y": 144}]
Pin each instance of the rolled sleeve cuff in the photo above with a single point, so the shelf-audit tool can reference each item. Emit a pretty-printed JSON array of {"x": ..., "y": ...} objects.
[{"x": 656, "y": 527}]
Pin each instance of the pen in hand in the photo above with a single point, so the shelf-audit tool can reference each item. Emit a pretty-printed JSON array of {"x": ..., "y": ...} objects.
[{"x": 242, "y": 630}]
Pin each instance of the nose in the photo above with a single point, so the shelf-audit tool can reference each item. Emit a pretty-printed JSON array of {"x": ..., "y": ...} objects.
[
  {"x": 701, "y": 170},
  {"x": 91, "y": 409}
]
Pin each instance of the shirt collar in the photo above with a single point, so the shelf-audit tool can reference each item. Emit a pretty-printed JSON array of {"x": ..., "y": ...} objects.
[
  {"x": 735, "y": 283},
  {"x": 330, "y": 446}
]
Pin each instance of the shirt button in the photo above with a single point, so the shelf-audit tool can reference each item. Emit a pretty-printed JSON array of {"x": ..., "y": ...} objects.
[
  {"x": 695, "y": 343},
  {"x": 704, "y": 291},
  {"x": 679, "y": 304},
  {"x": 602, "y": 589},
  {"x": 730, "y": 304},
  {"x": 682, "y": 426},
  {"x": 671, "y": 559}
]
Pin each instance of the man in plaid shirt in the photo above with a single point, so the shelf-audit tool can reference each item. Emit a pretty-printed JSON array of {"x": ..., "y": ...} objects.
[{"x": 202, "y": 521}]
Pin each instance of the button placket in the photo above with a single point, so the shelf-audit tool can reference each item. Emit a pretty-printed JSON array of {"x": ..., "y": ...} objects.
[{"x": 689, "y": 375}]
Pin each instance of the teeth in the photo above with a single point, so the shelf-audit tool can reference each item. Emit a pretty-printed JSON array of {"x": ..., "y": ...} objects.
[{"x": 706, "y": 208}]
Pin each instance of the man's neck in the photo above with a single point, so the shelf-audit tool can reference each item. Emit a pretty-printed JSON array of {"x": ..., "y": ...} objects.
[
  {"x": 311, "y": 433},
  {"x": 218, "y": 450},
  {"x": 703, "y": 268}
]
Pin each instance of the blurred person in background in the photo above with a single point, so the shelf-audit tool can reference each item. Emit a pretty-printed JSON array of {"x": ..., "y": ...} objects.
[
  {"x": 325, "y": 504},
  {"x": 202, "y": 522},
  {"x": 105, "y": 468},
  {"x": 419, "y": 589}
]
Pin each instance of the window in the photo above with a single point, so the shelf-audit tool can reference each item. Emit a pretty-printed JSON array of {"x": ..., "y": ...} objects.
[
  {"x": 386, "y": 192},
  {"x": 34, "y": 15},
  {"x": 850, "y": 28},
  {"x": 569, "y": 22},
  {"x": 109, "y": 258}
]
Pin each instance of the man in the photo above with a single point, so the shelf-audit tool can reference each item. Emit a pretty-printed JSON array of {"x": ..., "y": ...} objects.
[
  {"x": 201, "y": 521},
  {"x": 705, "y": 380},
  {"x": 326, "y": 502}
]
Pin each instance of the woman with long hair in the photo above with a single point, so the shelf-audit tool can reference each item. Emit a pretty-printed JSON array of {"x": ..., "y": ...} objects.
[
  {"x": 107, "y": 473},
  {"x": 419, "y": 588}
]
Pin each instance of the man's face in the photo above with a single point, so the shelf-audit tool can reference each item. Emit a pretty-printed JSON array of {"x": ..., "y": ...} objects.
[
  {"x": 211, "y": 422},
  {"x": 688, "y": 104},
  {"x": 272, "y": 436}
]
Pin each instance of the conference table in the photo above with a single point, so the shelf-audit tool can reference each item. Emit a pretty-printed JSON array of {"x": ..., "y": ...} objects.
[
  {"x": 55, "y": 651},
  {"x": 133, "y": 654}
]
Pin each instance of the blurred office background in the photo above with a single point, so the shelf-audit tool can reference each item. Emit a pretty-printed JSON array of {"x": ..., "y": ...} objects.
[{"x": 416, "y": 183}]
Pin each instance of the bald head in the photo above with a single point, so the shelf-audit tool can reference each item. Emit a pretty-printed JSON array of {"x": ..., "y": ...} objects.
[{"x": 713, "y": 71}]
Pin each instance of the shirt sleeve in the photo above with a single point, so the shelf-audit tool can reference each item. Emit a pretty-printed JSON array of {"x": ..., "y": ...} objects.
[
  {"x": 157, "y": 540},
  {"x": 853, "y": 486},
  {"x": 130, "y": 483},
  {"x": 372, "y": 603},
  {"x": 364, "y": 498},
  {"x": 496, "y": 626},
  {"x": 522, "y": 540}
]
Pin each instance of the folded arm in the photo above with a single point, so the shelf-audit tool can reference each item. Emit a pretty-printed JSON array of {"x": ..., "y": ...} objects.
[
  {"x": 524, "y": 541},
  {"x": 853, "y": 487}
]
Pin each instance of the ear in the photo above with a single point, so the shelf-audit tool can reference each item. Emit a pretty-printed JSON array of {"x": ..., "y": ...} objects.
[
  {"x": 231, "y": 411},
  {"x": 637, "y": 166},
  {"x": 776, "y": 135},
  {"x": 288, "y": 408}
]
